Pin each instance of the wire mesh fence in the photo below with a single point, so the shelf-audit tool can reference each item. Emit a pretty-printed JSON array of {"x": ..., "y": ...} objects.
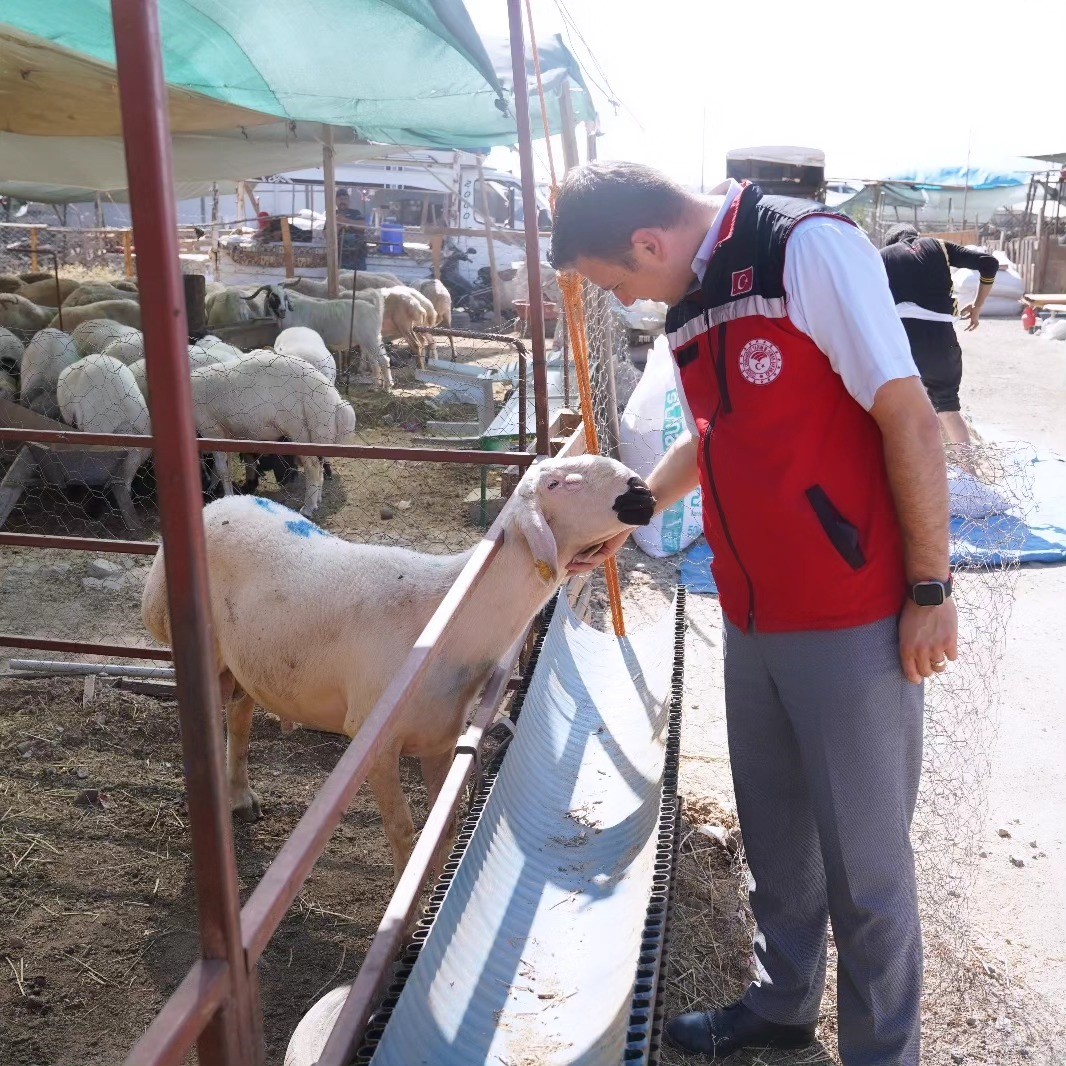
[
  {"x": 971, "y": 1005},
  {"x": 451, "y": 392},
  {"x": 26, "y": 249}
]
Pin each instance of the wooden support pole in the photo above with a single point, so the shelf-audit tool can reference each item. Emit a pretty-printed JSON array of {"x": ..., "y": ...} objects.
[
  {"x": 497, "y": 303},
  {"x": 529, "y": 209},
  {"x": 590, "y": 142},
  {"x": 286, "y": 247},
  {"x": 568, "y": 127},
  {"x": 127, "y": 251},
  {"x": 33, "y": 250},
  {"x": 332, "y": 266},
  {"x": 216, "y": 253}
]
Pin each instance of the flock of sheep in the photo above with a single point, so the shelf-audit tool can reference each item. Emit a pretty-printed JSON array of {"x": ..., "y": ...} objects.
[{"x": 91, "y": 373}]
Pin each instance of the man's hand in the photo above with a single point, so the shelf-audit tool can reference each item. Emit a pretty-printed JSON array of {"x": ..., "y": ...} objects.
[
  {"x": 973, "y": 314},
  {"x": 589, "y": 560},
  {"x": 928, "y": 638}
]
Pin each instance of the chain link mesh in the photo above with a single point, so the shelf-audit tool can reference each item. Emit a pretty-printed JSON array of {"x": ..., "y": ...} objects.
[{"x": 94, "y": 378}]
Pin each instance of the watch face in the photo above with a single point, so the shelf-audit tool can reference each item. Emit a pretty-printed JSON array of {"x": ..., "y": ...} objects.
[{"x": 929, "y": 594}]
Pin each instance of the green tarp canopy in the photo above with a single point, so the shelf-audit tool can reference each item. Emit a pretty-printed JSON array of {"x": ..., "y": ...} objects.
[
  {"x": 252, "y": 85},
  {"x": 397, "y": 71}
]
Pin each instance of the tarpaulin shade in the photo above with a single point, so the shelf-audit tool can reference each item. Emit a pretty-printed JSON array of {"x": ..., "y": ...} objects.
[{"x": 402, "y": 71}]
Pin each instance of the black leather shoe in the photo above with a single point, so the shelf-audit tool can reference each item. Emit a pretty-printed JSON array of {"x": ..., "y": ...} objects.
[{"x": 719, "y": 1033}]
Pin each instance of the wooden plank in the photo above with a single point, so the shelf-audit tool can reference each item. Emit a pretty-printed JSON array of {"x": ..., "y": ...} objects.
[
  {"x": 286, "y": 244},
  {"x": 332, "y": 257},
  {"x": 497, "y": 302}
]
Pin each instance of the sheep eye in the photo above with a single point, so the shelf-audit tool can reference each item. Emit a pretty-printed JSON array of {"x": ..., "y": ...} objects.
[{"x": 554, "y": 483}]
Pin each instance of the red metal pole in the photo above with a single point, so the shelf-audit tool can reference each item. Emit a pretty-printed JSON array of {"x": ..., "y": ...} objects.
[
  {"x": 233, "y": 1036},
  {"x": 529, "y": 208}
]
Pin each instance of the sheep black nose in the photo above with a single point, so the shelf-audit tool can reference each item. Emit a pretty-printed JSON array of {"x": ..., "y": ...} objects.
[{"x": 636, "y": 506}]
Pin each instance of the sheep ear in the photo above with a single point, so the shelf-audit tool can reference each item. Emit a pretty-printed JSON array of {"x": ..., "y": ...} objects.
[{"x": 539, "y": 537}]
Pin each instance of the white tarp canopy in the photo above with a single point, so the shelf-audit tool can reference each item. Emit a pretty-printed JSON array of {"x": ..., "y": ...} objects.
[{"x": 98, "y": 164}]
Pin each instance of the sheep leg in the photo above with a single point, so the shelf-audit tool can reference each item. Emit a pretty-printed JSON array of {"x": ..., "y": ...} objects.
[
  {"x": 435, "y": 769},
  {"x": 384, "y": 781},
  {"x": 417, "y": 346},
  {"x": 238, "y": 735},
  {"x": 312, "y": 468},
  {"x": 382, "y": 370},
  {"x": 223, "y": 473}
]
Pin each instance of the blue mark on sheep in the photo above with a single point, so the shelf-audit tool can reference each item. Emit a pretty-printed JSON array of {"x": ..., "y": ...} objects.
[
  {"x": 303, "y": 528},
  {"x": 267, "y": 505}
]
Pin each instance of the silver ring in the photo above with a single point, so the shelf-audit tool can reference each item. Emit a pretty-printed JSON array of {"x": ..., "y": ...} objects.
[{"x": 940, "y": 665}]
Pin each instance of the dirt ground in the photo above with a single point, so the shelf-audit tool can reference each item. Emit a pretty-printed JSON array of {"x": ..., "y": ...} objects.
[
  {"x": 97, "y": 915},
  {"x": 97, "y": 919}
]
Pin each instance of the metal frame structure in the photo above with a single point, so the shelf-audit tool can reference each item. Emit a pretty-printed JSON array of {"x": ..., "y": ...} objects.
[{"x": 216, "y": 1008}]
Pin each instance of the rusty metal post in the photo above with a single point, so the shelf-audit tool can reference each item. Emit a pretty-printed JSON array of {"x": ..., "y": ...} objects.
[
  {"x": 233, "y": 1036},
  {"x": 529, "y": 208}
]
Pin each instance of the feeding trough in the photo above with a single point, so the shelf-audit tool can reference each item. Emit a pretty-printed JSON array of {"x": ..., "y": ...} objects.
[{"x": 64, "y": 465}]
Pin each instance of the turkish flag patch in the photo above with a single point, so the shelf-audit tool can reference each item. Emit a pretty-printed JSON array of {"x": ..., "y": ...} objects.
[{"x": 743, "y": 280}]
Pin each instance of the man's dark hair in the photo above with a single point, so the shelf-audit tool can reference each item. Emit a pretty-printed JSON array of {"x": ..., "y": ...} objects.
[
  {"x": 902, "y": 232},
  {"x": 601, "y": 205}
]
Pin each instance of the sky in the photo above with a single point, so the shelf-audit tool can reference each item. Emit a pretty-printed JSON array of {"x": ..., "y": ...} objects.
[{"x": 879, "y": 95}]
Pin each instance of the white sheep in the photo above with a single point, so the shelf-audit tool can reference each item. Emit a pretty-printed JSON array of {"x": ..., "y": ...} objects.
[
  {"x": 403, "y": 309},
  {"x": 48, "y": 354},
  {"x": 266, "y": 396},
  {"x": 44, "y": 290},
  {"x": 229, "y": 305},
  {"x": 366, "y": 280},
  {"x": 313, "y": 628},
  {"x": 92, "y": 337},
  {"x": 440, "y": 298},
  {"x": 125, "y": 311},
  {"x": 95, "y": 291},
  {"x": 317, "y": 287},
  {"x": 11, "y": 349},
  {"x": 98, "y": 394},
  {"x": 337, "y": 320},
  {"x": 122, "y": 350},
  {"x": 218, "y": 349},
  {"x": 23, "y": 316},
  {"x": 307, "y": 345}
]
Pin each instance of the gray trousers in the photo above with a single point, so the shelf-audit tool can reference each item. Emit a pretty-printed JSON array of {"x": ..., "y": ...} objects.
[{"x": 825, "y": 742}]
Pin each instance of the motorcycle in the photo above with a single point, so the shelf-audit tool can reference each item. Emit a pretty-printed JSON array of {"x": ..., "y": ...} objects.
[{"x": 476, "y": 300}]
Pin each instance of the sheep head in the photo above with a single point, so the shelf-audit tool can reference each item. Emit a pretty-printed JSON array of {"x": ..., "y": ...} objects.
[{"x": 566, "y": 506}]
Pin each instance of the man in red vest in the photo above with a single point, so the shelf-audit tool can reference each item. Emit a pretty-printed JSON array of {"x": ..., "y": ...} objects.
[{"x": 825, "y": 503}]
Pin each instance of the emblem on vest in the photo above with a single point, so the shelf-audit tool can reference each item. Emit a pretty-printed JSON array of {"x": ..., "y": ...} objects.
[
  {"x": 760, "y": 361},
  {"x": 743, "y": 280}
]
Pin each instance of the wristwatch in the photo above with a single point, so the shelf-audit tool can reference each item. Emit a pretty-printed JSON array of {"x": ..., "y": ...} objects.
[{"x": 931, "y": 593}]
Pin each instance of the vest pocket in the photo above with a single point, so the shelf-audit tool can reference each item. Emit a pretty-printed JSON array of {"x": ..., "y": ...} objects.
[
  {"x": 841, "y": 533},
  {"x": 689, "y": 354}
]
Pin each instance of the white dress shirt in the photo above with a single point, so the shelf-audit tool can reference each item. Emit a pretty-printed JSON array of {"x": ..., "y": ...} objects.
[{"x": 836, "y": 291}]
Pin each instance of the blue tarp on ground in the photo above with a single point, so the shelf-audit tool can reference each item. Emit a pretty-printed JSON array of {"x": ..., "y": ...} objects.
[
  {"x": 1005, "y": 539},
  {"x": 988, "y": 542}
]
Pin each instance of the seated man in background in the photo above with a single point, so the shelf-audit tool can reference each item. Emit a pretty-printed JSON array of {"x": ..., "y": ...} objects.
[{"x": 351, "y": 233}]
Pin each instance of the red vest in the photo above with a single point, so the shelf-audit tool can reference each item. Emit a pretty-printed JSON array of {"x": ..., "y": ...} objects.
[{"x": 796, "y": 502}]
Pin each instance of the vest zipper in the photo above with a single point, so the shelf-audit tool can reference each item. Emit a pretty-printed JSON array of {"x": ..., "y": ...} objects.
[
  {"x": 724, "y": 407},
  {"x": 720, "y": 371}
]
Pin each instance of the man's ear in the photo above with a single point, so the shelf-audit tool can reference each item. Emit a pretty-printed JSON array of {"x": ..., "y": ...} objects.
[{"x": 647, "y": 244}]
